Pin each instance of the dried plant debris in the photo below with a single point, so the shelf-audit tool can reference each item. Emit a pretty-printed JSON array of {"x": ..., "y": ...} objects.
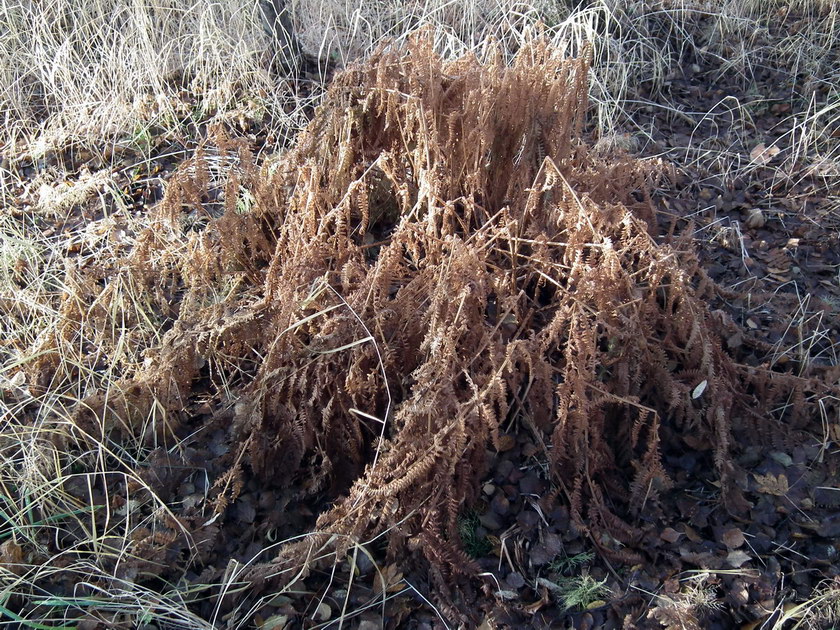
[{"x": 440, "y": 255}]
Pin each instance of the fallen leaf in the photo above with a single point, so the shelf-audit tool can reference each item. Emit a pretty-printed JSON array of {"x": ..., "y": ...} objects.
[
  {"x": 752, "y": 625},
  {"x": 11, "y": 557},
  {"x": 755, "y": 218},
  {"x": 737, "y": 558},
  {"x": 323, "y": 613},
  {"x": 698, "y": 391},
  {"x": 389, "y": 580},
  {"x": 487, "y": 624},
  {"x": 733, "y": 538},
  {"x": 762, "y": 154},
  {"x": 670, "y": 535},
  {"x": 692, "y": 535},
  {"x": 506, "y": 442},
  {"x": 275, "y": 622},
  {"x": 769, "y": 484}
]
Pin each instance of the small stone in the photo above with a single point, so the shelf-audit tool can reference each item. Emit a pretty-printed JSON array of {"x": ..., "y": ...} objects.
[
  {"x": 531, "y": 484},
  {"x": 490, "y": 521},
  {"x": 527, "y": 520},
  {"x": 500, "y": 504},
  {"x": 830, "y": 527},
  {"x": 515, "y": 580},
  {"x": 363, "y": 563},
  {"x": 503, "y": 470},
  {"x": 244, "y": 511},
  {"x": 489, "y": 489},
  {"x": 512, "y": 492}
]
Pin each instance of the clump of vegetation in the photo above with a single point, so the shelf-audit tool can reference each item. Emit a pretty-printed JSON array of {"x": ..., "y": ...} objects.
[
  {"x": 475, "y": 545},
  {"x": 581, "y": 592}
]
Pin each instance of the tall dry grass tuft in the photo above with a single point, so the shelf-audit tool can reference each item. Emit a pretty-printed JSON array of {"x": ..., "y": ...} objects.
[{"x": 107, "y": 72}]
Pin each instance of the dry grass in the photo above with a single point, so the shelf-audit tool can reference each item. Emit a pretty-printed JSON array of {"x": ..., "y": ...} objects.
[{"x": 97, "y": 77}]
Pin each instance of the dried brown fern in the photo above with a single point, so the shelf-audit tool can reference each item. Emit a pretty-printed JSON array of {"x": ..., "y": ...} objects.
[{"x": 438, "y": 252}]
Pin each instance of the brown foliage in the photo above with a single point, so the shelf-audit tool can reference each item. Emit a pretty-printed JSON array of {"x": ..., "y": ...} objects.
[{"x": 441, "y": 253}]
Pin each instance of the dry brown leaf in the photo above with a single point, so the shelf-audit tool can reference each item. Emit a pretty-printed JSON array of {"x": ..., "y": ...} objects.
[
  {"x": 770, "y": 484},
  {"x": 752, "y": 625},
  {"x": 487, "y": 624},
  {"x": 11, "y": 556},
  {"x": 762, "y": 154},
  {"x": 275, "y": 622},
  {"x": 506, "y": 442},
  {"x": 669, "y": 534},
  {"x": 737, "y": 558},
  {"x": 389, "y": 580},
  {"x": 755, "y": 218},
  {"x": 733, "y": 538},
  {"x": 691, "y": 534}
]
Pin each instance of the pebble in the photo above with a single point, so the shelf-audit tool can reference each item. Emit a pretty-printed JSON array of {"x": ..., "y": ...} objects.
[
  {"x": 244, "y": 511},
  {"x": 490, "y": 521},
  {"x": 515, "y": 580},
  {"x": 559, "y": 518},
  {"x": 363, "y": 563},
  {"x": 541, "y": 556},
  {"x": 531, "y": 484},
  {"x": 500, "y": 504},
  {"x": 503, "y": 470},
  {"x": 527, "y": 520}
]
